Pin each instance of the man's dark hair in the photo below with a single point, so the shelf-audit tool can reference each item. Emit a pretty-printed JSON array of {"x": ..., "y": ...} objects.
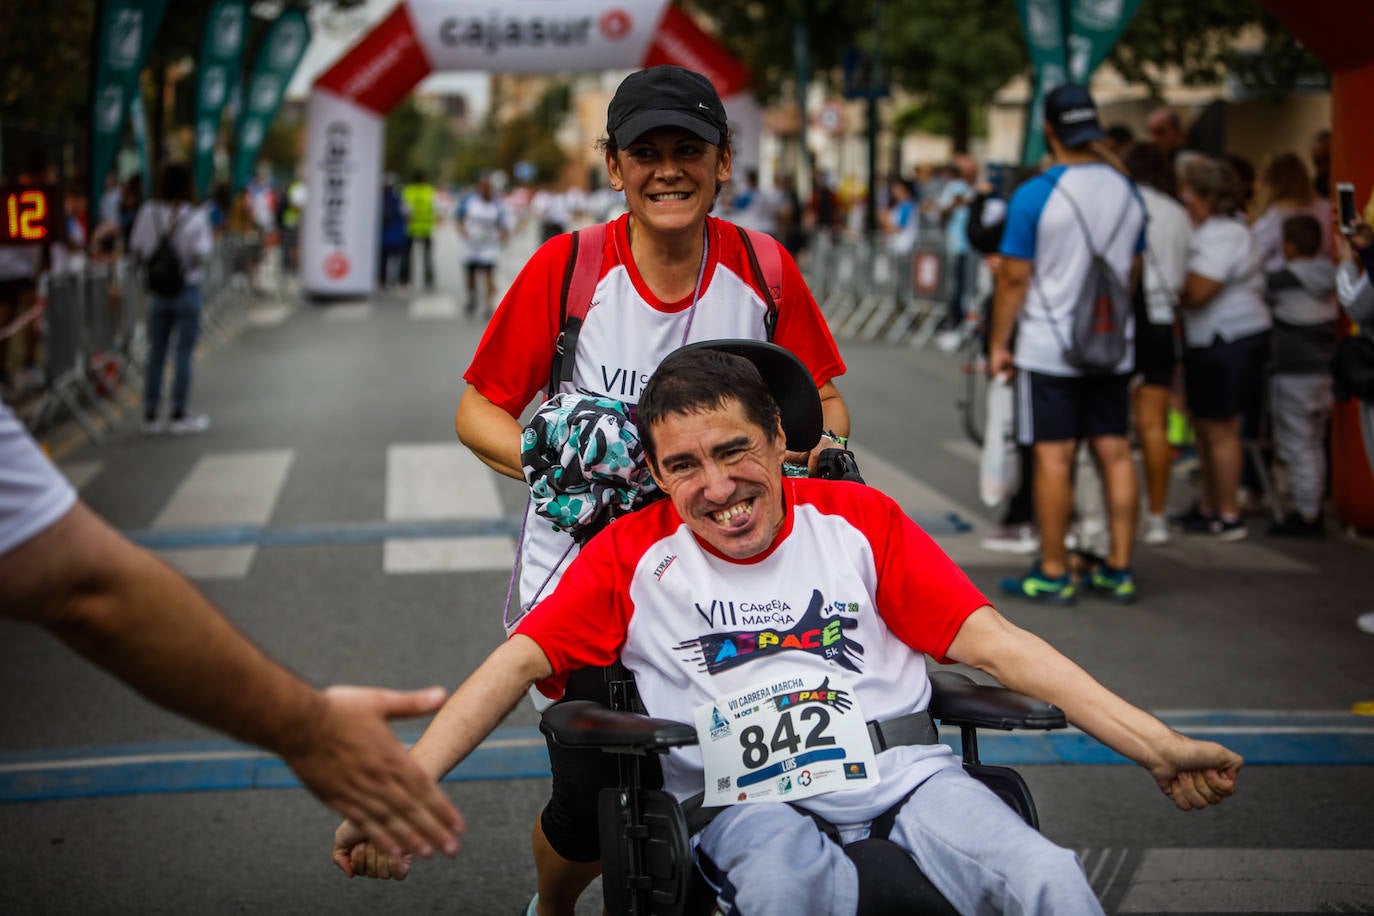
[
  {"x": 1304, "y": 233},
  {"x": 700, "y": 380},
  {"x": 1121, "y": 135}
]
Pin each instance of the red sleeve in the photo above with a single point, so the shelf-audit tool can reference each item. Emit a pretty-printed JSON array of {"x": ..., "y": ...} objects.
[
  {"x": 512, "y": 361},
  {"x": 802, "y": 329},
  {"x": 583, "y": 623},
  {"x": 923, "y": 597}
]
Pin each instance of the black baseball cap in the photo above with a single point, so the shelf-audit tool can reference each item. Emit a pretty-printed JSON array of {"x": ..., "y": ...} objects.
[
  {"x": 1073, "y": 115},
  {"x": 666, "y": 96}
]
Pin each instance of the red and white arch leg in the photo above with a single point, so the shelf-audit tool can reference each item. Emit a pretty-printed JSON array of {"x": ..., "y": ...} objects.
[{"x": 348, "y": 104}]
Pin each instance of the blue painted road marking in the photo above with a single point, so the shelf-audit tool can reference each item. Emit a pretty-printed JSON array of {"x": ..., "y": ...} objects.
[{"x": 1263, "y": 738}]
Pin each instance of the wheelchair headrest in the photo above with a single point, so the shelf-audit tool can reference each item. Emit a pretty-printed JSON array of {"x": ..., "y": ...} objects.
[{"x": 788, "y": 380}]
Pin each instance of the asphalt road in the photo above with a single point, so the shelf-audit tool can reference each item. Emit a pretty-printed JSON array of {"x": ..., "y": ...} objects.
[{"x": 331, "y": 513}]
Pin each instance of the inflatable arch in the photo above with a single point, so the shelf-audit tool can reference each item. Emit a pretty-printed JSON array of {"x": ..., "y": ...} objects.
[{"x": 348, "y": 103}]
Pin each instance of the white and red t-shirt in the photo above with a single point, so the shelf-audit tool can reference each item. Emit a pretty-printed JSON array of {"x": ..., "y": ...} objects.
[
  {"x": 850, "y": 586},
  {"x": 624, "y": 337}
]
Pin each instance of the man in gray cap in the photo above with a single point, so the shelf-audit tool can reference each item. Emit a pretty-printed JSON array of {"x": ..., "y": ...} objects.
[{"x": 1079, "y": 220}]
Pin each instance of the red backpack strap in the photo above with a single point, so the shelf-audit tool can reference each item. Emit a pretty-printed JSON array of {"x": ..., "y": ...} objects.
[
  {"x": 765, "y": 259},
  {"x": 579, "y": 282}
]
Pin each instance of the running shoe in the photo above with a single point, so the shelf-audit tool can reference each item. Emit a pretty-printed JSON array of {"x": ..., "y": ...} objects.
[
  {"x": 1036, "y": 586},
  {"x": 153, "y": 426},
  {"x": 1017, "y": 539},
  {"x": 1156, "y": 530},
  {"x": 1365, "y": 623},
  {"x": 1192, "y": 519},
  {"x": 1218, "y": 529},
  {"x": 1295, "y": 526},
  {"x": 1116, "y": 584},
  {"x": 188, "y": 424}
]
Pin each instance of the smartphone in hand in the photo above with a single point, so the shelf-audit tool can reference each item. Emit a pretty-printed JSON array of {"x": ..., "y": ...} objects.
[{"x": 1345, "y": 201}]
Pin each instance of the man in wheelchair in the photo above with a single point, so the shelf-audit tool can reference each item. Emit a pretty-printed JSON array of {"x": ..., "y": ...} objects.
[{"x": 784, "y": 617}]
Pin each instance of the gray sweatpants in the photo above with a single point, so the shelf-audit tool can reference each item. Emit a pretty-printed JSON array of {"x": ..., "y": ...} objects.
[
  {"x": 772, "y": 860},
  {"x": 1301, "y": 408}
]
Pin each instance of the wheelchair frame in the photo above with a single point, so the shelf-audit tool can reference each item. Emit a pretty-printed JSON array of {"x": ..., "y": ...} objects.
[{"x": 646, "y": 856}]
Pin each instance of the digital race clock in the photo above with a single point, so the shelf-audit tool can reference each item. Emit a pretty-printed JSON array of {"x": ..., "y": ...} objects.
[{"x": 32, "y": 214}]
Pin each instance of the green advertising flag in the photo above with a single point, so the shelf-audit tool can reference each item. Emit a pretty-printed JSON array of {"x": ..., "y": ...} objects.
[
  {"x": 1044, "y": 24},
  {"x": 221, "y": 59},
  {"x": 1094, "y": 26},
  {"x": 124, "y": 34},
  {"x": 282, "y": 50}
]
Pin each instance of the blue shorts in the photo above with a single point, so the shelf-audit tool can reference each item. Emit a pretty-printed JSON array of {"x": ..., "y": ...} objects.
[{"x": 1055, "y": 408}]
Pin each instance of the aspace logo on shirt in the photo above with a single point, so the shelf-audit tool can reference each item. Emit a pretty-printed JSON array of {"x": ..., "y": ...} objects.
[{"x": 812, "y": 633}]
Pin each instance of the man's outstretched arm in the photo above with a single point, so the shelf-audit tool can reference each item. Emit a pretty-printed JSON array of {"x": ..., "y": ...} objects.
[
  {"x": 474, "y": 710},
  {"x": 1193, "y": 773},
  {"x": 127, "y": 611}
]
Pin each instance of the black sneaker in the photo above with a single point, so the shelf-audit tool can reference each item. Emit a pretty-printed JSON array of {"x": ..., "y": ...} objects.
[
  {"x": 1295, "y": 526},
  {"x": 1198, "y": 523},
  {"x": 1233, "y": 530},
  {"x": 1192, "y": 519}
]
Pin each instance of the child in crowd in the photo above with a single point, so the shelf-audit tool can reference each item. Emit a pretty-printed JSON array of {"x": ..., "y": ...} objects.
[{"x": 1302, "y": 295}]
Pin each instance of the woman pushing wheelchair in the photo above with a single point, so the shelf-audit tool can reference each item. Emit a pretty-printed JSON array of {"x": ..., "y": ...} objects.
[{"x": 662, "y": 275}]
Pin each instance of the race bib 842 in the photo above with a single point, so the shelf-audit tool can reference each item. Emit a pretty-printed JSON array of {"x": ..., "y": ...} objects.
[{"x": 783, "y": 741}]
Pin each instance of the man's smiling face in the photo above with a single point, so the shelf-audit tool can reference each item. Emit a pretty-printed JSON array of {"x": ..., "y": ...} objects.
[{"x": 724, "y": 476}]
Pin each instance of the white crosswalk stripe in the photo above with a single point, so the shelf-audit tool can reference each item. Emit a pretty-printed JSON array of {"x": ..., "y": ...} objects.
[
  {"x": 434, "y": 307},
  {"x": 433, "y": 481},
  {"x": 80, "y": 473},
  {"x": 227, "y": 488}
]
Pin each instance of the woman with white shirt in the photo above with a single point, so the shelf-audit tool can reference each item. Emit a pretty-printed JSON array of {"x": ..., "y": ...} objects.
[
  {"x": 1167, "y": 233},
  {"x": 1226, "y": 337},
  {"x": 172, "y": 213}
]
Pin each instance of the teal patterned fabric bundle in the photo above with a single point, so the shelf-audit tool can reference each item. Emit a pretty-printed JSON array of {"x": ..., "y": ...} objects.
[{"x": 584, "y": 464}]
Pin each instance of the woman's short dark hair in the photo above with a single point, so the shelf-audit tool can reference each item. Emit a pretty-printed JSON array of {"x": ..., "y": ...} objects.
[
  {"x": 175, "y": 182},
  {"x": 701, "y": 380},
  {"x": 1147, "y": 165}
]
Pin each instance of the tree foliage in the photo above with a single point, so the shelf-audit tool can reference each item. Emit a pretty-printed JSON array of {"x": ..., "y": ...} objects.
[
  {"x": 956, "y": 54},
  {"x": 46, "y": 58}
]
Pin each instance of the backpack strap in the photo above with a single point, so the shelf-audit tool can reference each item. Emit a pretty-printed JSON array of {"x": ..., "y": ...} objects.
[
  {"x": 765, "y": 260},
  {"x": 1087, "y": 237},
  {"x": 575, "y": 299},
  {"x": 1083, "y": 223}
]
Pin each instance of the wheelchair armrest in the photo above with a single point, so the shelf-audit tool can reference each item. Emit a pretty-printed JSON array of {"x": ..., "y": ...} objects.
[
  {"x": 585, "y": 724},
  {"x": 956, "y": 699}
]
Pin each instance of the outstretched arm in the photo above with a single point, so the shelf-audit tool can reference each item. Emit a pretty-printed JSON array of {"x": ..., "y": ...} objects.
[
  {"x": 1193, "y": 773},
  {"x": 132, "y": 614},
  {"x": 474, "y": 710}
]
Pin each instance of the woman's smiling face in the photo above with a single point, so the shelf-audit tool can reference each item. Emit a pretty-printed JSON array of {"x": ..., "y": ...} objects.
[{"x": 669, "y": 176}]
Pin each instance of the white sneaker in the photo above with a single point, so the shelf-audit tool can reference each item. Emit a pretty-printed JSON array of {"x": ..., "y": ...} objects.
[
  {"x": 188, "y": 424},
  {"x": 1156, "y": 530},
  {"x": 948, "y": 341},
  {"x": 1018, "y": 539},
  {"x": 154, "y": 427},
  {"x": 1365, "y": 622}
]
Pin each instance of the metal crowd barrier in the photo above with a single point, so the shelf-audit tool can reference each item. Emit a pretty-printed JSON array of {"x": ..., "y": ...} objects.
[
  {"x": 95, "y": 340},
  {"x": 869, "y": 292}
]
